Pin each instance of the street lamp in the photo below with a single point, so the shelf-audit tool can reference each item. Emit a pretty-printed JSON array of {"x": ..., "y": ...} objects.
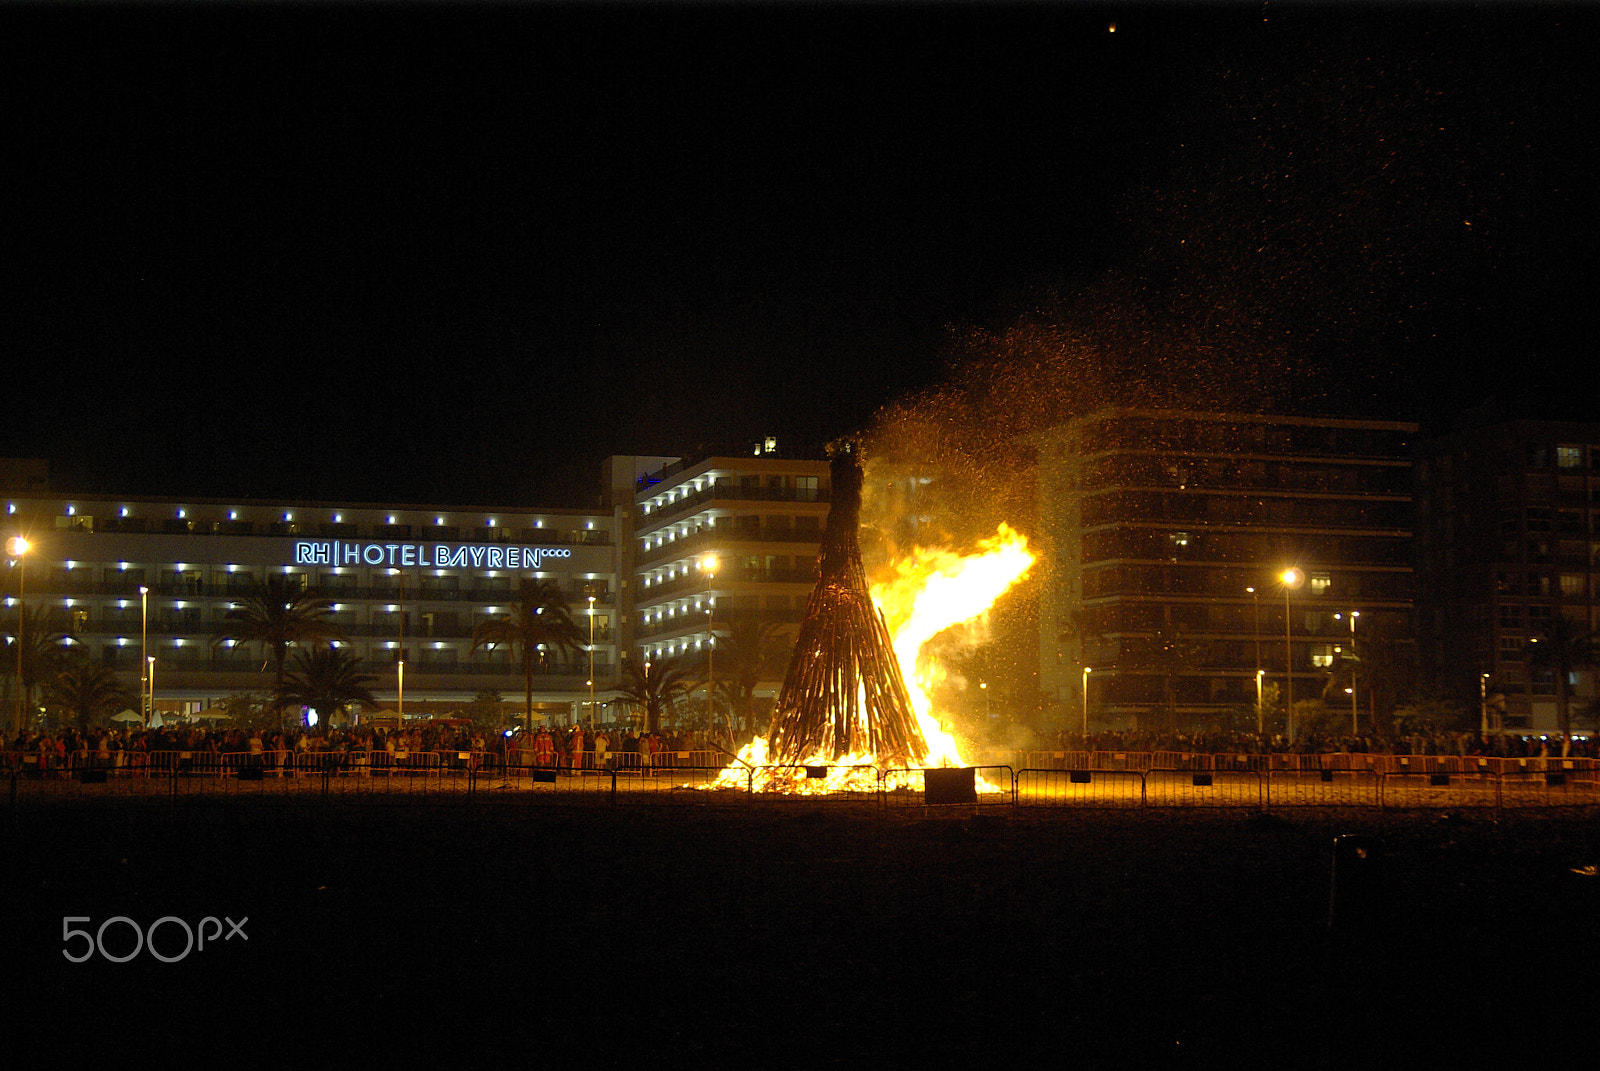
[
  {"x": 1255, "y": 629},
  {"x": 591, "y": 661},
  {"x": 17, "y": 546},
  {"x": 1290, "y": 578},
  {"x": 1483, "y": 704},
  {"x": 709, "y": 563},
  {"x": 150, "y": 675},
  {"x": 144, "y": 655},
  {"x": 1354, "y": 726},
  {"x": 1260, "y": 700},
  {"x": 1086, "y": 671}
]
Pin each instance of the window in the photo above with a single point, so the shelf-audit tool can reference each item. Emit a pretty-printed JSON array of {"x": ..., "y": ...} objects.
[
  {"x": 1569, "y": 457},
  {"x": 1320, "y": 583},
  {"x": 1510, "y": 649},
  {"x": 1322, "y": 655}
]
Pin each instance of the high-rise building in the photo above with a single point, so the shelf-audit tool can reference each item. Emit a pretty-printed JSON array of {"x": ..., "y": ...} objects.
[
  {"x": 723, "y": 545},
  {"x": 1508, "y": 557},
  {"x": 1171, "y": 535}
]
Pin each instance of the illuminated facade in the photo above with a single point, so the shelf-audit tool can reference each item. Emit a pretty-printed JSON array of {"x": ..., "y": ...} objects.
[
  {"x": 142, "y": 578},
  {"x": 1170, "y": 531},
  {"x": 1508, "y": 542},
  {"x": 759, "y": 518},
  {"x": 131, "y": 579}
]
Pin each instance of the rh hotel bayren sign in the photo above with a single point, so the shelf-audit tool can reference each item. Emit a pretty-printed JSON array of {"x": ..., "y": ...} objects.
[{"x": 340, "y": 552}]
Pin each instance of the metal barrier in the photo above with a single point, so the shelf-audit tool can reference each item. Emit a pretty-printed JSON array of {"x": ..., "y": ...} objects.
[
  {"x": 960, "y": 788},
  {"x": 1192, "y": 787},
  {"x": 1329, "y": 787},
  {"x": 1068, "y": 779},
  {"x": 1437, "y": 787},
  {"x": 1080, "y": 788}
]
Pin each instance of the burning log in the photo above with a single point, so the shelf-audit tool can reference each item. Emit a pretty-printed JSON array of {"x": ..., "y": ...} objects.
[{"x": 844, "y": 693}]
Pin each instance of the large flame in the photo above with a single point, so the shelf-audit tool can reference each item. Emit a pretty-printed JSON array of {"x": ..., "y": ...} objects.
[{"x": 930, "y": 591}]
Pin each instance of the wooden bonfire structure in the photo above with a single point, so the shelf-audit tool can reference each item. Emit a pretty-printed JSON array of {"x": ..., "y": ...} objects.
[{"x": 843, "y": 693}]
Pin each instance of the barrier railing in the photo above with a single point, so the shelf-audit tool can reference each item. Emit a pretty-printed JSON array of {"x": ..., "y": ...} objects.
[{"x": 1071, "y": 779}]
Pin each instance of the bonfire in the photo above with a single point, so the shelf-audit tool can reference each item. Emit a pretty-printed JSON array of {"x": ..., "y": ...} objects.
[{"x": 845, "y": 705}]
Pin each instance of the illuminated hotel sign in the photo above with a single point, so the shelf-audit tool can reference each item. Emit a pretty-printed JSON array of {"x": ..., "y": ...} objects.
[{"x": 431, "y": 555}]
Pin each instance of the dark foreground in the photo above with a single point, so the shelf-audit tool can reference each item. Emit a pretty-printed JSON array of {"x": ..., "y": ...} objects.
[{"x": 797, "y": 937}]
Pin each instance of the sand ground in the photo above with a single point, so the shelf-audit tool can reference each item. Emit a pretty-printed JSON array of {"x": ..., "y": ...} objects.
[{"x": 807, "y": 935}]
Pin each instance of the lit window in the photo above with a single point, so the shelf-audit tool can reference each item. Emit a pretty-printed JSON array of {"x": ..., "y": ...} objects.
[
  {"x": 1569, "y": 457},
  {"x": 1320, "y": 582},
  {"x": 1322, "y": 655}
]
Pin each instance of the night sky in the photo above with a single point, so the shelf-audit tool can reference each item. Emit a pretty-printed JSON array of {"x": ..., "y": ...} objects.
[{"x": 459, "y": 253}]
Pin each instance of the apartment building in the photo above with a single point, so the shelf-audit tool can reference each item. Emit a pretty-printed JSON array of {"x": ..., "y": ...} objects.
[
  {"x": 1508, "y": 543},
  {"x": 1171, "y": 533}
]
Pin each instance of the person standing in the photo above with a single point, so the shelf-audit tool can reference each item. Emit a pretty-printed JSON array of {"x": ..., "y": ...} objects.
[{"x": 575, "y": 748}]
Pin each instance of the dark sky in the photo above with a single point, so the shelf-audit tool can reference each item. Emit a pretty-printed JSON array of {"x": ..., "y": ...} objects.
[{"x": 461, "y": 252}]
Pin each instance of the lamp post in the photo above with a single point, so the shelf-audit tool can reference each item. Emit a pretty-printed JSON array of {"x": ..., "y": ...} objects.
[
  {"x": 1483, "y": 704},
  {"x": 144, "y": 656},
  {"x": 150, "y": 676},
  {"x": 1260, "y": 700},
  {"x": 17, "y": 546},
  {"x": 1290, "y": 578},
  {"x": 591, "y": 661},
  {"x": 1255, "y": 629},
  {"x": 1086, "y": 671},
  {"x": 709, "y": 563},
  {"x": 1354, "y": 725},
  {"x": 644, "y": 715}
]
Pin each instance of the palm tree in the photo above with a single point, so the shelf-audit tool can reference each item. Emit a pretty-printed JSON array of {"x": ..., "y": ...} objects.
[
  {"x": 747, "y": 654},
  {"x": 46, "y": 643},
  {"x": 1563, "y": 647},
  {"x": 539, "y": 618},
  {"x": 652, "y": 689},
  {"x": 327, "y": 680},
  {"x": 277, "y": 614},
  {"x": 86, "y": 692}
]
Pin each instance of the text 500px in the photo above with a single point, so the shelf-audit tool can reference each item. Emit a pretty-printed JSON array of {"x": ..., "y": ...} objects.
[{"x": 169, "y": 926}]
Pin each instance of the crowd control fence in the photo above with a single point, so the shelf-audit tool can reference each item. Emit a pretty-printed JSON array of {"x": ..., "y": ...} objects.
[{"x": 1036, "y": 780}]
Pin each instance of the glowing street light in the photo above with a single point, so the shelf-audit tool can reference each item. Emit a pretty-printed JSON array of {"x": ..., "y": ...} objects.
[
  {"x": 144, "y": 655},
  {"x": 17, "y": 547},
  {"x": 1353, "y": 615},
  {"x": 1290, "y": 578},
  {"x": 591, "y": 661},
  {"x": 1086, "y": 671}
]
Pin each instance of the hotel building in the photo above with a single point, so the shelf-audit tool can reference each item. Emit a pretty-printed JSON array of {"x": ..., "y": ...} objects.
[{"x": 132, "y": 579}]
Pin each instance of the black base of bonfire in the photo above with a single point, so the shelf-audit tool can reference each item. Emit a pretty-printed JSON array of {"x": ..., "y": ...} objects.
[{"x": 844, "y": 693}]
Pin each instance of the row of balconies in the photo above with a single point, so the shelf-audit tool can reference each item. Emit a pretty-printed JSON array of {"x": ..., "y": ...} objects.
[
  {"x": 220, "y": 659},
  {"x": 725, "y": 619},
  {"x": 498, "y": 592},
  {"x": 724, "y": 537},
  {"x": 332, "y": 530},
  {"x": 731, "y": 491},
  {"x": 695, "y": 582}
]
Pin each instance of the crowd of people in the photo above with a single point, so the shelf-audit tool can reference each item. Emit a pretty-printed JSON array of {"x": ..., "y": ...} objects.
[
  {"x": 578, "y": 747},
  {"x": 566, "y": 747},
  {"x": 1501, "y": 745}
]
